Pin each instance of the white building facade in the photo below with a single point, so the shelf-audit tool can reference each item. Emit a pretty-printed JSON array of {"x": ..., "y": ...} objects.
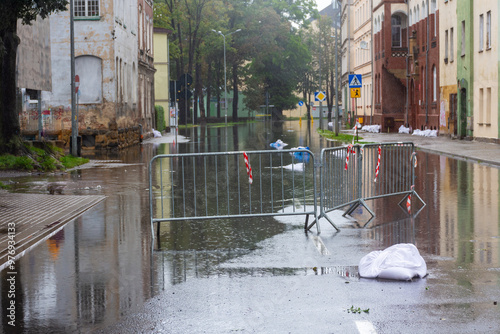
[{"x": 106, "y": 40}]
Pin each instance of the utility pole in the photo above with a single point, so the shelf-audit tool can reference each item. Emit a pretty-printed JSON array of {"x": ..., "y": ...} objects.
[
  {"x": 74, "y": 120},
  {"x": 337, "y": 46}
]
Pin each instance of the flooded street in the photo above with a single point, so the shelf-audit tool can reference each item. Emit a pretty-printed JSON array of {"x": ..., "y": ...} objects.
[{"x": 104, "y": 266}]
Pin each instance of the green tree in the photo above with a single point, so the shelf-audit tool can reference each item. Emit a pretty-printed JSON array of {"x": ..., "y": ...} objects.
[
  {"x": 278, "y": 65},
  {"x": 10, "y": 12}
]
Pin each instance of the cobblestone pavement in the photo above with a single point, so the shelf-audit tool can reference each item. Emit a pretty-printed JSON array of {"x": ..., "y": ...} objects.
[{"x": 29, "y": 219}]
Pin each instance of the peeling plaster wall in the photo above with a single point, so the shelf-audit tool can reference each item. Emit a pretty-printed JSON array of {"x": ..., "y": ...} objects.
[
  {"x": 33, "y": 55},
  {"x": 112, "y": 39}
]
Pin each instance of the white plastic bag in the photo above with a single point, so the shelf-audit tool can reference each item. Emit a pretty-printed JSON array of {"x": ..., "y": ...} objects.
[
  {"x": 398, "y": 262},
  {"x": 156, "y": 134}
]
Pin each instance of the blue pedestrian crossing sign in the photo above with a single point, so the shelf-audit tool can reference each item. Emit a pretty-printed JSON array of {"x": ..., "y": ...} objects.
[{"x": 355, "y": 80}]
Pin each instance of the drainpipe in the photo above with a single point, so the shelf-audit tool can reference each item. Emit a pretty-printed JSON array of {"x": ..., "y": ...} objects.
[
  {"x": 427, "y": 69},
  {"x": 371, "y": 55},
  {"x": 348, "y": 96},
  {"x": 407, "y": 56}
]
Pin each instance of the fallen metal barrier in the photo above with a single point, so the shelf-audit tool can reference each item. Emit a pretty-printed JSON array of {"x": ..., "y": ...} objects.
[
  {"x": 352, "y": 175},
  {"x": 197, "y": 186}
]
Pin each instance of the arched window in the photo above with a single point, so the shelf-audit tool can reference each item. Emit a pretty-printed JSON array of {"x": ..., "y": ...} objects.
[
  {"x": 89, "y": 69},
  {"x": 396, "y": 31}
]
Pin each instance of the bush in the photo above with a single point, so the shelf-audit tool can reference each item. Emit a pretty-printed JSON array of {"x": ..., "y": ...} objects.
[
  {"x": 160, "y": 118},
  {"x": 9, "y": 161},
  {"x": 70, "y": 161}
]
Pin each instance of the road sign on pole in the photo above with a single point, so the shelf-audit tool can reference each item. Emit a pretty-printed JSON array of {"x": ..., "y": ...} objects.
[
  {"x": 319, "y": 96},
  {"x": 355, "y": 93},
  {"x": 355, "y": 81},
  {"x": 77, "y": 83}
]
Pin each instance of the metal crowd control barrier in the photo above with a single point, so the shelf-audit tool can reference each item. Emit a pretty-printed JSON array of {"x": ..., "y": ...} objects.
[
  {"x": 353, "y": 175},
  {"x": 196, "y": 186}
]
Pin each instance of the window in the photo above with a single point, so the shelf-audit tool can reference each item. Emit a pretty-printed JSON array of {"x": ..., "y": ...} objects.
[
  {"x": 488, "y": 106},
  {"x": 86, "y": 8},
  {"x": 481, "y": 106},
  {"x": 433, "y": 11},
  {"x": 488, "y": 30},
  {"x": 446, "y": 46},
  {"x": 481, "y": 32},
  {"x": 396, "y": 31},
  {"x": 463, "y": 39},
  {"x": 434, "y": 84},
  {"x": 89, "y": 69},
  {"x": 452, "y": 46}
]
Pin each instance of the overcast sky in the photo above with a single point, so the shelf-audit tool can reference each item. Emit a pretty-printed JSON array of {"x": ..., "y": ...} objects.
[{"x": 321, "y": 4}]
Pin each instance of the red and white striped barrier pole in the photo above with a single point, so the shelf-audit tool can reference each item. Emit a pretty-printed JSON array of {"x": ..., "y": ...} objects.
[
  {"x": 378, "y": 163},
  {"x": 408, "y": 201},
  {"x": 349, "y": 150},
  {"x": 249, "y": 168},
  {"x": 414, "y": 158}
]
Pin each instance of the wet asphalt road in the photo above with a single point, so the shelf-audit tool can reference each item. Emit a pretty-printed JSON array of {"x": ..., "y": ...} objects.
[{"x": 285, "y": 281}]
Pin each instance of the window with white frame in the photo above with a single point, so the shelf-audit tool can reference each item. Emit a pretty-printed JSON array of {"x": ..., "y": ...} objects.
[
  {"x": 434, "y": 84},
  {"x": 86, "y": 8},
  {"x": 463, "y": 39},
  {"x": 446, "y": 46},
  {"x": 396, "y": 31},
  {"x": 433, "y": 11},
  {"x": 481, "y": 106},
  {"x": 481, "y": 32},
  {"x": 488, "y": 30},
  {"x": 452, "y": 46}
]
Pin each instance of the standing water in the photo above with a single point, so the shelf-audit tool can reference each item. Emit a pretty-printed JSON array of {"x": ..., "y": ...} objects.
[{"x": 104, "y": 264}]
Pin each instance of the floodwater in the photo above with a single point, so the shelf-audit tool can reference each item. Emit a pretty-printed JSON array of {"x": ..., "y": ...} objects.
[{"x": 104, "y": 265}]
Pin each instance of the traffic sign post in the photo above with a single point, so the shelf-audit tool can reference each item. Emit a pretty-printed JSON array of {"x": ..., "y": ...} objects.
[
  {"x": 355, "y": 93},
  {"x": 355, "y": 81},
  {"x": 319, "y": 96},
  {"x": 355, "y": 84}
]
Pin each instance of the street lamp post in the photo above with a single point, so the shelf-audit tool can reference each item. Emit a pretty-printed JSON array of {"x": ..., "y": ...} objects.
[
  {"x": 337, "y": 45},
  {"x": 225, "y": 79}
]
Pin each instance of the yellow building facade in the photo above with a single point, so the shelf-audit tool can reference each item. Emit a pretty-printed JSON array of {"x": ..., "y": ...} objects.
[
  {"x": 448, "y": 68},
  {"x": 485, "y": 49},
  {"x": 363, "y": 59},
  {"x": 162, "y": 75}
]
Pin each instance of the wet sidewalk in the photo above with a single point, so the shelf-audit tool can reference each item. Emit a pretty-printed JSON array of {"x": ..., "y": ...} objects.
[
  {"x": 28, "y": 219},
  {"x": 477, "y": 151}
]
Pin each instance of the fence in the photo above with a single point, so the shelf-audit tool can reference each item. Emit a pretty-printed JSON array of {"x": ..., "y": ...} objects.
[
  {"x": 278, "y": 182},
  {"x": 353, "y": 175},
  {"x": 220, "y": 185}
]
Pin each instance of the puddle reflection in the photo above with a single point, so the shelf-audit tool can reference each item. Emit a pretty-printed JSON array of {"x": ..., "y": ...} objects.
[{"x": 101, "y": 266}]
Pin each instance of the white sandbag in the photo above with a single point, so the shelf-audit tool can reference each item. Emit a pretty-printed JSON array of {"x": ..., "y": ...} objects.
[
  {"x": 398, "y": 262},
  {"x": 403, "y": 129},
  {"x": 371, "y": 128},
  {"x": 156, "y": 134}
]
